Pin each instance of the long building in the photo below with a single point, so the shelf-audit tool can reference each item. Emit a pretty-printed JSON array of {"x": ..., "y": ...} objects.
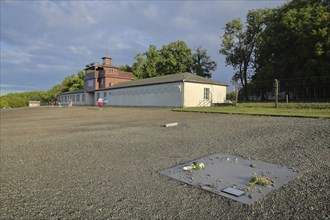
[{"x": 175, "y": 90}]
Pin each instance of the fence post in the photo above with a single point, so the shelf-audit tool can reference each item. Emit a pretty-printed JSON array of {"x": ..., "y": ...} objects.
[
  {"x": 236, "y": 94},
  {"x": 276, "y": 93},
  {"x": 287, "y": 98}
]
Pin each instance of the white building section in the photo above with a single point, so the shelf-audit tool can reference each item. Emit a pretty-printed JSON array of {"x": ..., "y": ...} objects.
[
  {"x": 164, "y": 95},
  {"x": 177, "y": 90}
]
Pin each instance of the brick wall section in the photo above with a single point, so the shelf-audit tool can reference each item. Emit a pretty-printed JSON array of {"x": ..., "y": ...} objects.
[{"x": 105, "y": 76}]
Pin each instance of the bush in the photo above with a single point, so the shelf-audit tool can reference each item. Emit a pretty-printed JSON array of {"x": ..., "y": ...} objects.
[
  {"x": 230, "y": 96},
  {"x": 4, "y": 103}
]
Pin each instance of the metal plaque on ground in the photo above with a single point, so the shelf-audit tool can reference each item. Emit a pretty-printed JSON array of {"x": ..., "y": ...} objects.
[{"x": 234, "y": 177}]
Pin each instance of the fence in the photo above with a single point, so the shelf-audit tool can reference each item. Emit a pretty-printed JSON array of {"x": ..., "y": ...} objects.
[{"x": 313, "y": 89}]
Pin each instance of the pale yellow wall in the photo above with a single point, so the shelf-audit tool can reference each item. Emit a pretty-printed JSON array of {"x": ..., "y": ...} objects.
[{"x": 194, "y": 94}]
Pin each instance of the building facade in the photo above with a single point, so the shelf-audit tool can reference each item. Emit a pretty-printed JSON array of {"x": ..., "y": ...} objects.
[
  {"x": 175, "y": 90},
  {"x": 97, "y": 76}
]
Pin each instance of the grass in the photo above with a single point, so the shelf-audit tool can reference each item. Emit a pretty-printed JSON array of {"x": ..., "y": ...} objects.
[{"x": 308, "y": 110}]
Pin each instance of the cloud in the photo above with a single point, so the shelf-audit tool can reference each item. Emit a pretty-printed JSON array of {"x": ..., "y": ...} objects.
[
  {"x": 5, "y": 89},
  {"x": 13, "y": 55},
  {"x": 183, "y": 22},
  {"x": 80, "y": 50},
  {"x": 53, "y": 39}
]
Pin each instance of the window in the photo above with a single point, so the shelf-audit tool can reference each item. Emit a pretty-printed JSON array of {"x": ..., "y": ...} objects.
[
  {"x": 83, "y": 97},
  {"x": 104, "y": 94},
  {"x": 78, "y": 97},
  {"x": 97, "y": 96},
  {"x": 90, "y": 83},
  {"x": 206, "y": 93},
  {"x": 73, "y": 98}
]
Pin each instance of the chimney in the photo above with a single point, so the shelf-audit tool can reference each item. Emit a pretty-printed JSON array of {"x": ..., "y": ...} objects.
[{"x": 106, "y": 60}]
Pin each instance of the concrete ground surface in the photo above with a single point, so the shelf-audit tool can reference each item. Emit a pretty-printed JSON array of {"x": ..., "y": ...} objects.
[{"x": 83, "y": 163}]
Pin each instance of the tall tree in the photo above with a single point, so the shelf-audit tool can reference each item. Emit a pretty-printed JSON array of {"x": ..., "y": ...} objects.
[
  {"x": 147, "y": 63},
  {"x": 202, "y": 63},
  {"x": 239, "y": 45}
]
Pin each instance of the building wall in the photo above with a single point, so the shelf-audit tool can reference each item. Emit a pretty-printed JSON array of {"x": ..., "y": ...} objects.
[
  {"x": 161, "y": 95},
  {"x": 104, "y": 78},
  {"x": 77, "y": 99},
  {"x": 194, "y": 94},
  {"x": 179, "y": 94},
  {"x": 34, "y": 103},
  {"x": 112, "y": 80}
]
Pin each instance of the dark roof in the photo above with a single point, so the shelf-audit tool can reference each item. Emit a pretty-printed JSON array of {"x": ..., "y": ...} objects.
[
  {"x": 180, "y": 77},
  {"x": 73, "y": 92},
  {"x": 101, "y": 66}
]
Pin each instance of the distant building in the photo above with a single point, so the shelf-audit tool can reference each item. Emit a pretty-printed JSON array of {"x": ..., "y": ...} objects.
[
  {"x": 100, "y": 76},
  {"x": 175, "y": 90},
  {"x": 97, "y": 76},
  {"x": 34, "y": 103}
]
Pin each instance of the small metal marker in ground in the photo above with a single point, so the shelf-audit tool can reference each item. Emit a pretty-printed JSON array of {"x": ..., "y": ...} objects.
[
  {"x": 171, "y": 124},
  {"x": 233, "y": 177}
]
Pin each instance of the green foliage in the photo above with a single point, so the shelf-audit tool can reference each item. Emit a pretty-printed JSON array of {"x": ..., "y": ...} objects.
[
  {"x": 53, "y": 93},
  {"x": 296, "y": 41},
  {"x": 202, "y": 64},
  {"x": 231, "y": 96},
  {"x": 267, "y": 109},
  {"x": 126, "y": 68},
  {"x": 239, "y": 45},
  {"x": 73, "y": 82},
  {"x": 147, "y": 64},
  {"x": 291, "y": 41},
  {"x": 16, "y": 100},
  {"x": 174, "y": 58},
  {"x": 4, "y": 102}
]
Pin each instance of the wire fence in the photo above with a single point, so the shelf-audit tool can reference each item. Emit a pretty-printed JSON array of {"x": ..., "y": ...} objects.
[{"x": 313, "y": 89}]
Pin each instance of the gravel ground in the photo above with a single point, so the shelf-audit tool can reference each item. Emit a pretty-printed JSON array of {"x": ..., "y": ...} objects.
[{"x": 80, "y": 162}]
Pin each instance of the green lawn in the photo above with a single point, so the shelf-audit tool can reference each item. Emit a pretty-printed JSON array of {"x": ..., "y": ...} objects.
[{"x": 310, "y": 110}]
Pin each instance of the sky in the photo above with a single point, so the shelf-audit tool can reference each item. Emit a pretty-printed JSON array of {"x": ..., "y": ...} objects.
[{"x": 42, "y": 41}]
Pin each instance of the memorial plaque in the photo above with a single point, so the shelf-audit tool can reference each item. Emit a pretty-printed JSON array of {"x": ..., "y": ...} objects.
[{"x": 231, "y": 176}]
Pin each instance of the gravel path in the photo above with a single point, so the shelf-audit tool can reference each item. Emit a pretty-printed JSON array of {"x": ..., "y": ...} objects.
[{"x": 80, "y": 162}]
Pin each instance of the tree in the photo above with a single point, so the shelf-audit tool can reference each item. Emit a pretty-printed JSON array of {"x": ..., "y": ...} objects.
[
  {"x": 296, "y": 41},
  {"x": 202, "y": 64},
  {"x": 73, "y": 82},
  {"x": 126, "y": 68},
  {"x": 137, "y": 67},
  {"x": 54, "y": 92},
  {"x": 239, "y": 45},
  {"x": 170, "y": 59},
  {"x": 175, "y": 58},
  {"x": 4, "y": 102},
  {"x": 147, "y": 63}
]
